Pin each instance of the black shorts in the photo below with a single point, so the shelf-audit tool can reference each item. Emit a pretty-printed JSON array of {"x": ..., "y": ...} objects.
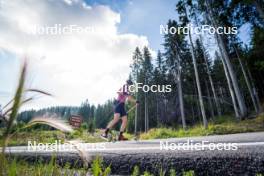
[{"x": 120, "y": 109}]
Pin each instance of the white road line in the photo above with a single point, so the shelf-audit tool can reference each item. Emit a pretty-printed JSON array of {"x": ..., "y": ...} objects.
[{"x": 22, "y": 149}]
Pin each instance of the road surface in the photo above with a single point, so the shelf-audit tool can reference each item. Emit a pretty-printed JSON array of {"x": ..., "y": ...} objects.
[{"x": 234, "y": 154}]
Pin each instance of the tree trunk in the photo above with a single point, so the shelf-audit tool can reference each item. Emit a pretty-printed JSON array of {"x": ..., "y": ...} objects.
[
  {"x": 157, "y": 109},
  {"x": 254, "y": 90},
  {"x": 222, "y": 98},
  {"x": 177, "y": 77},
  {"x": 240, "y": 99},
  {"x": 197, "y": 101},
  {"x": 198, "y": 83},
  {"x": 259, "y": 9},
  {"x": 165, "y": 110},
  {"x": 247, "y": 81},
  {"x": 136, "y": 113},
  {"x": 136, "y": 110},
  {"x": 230, "y": 87},
  {"x": 180, "y": 96},
  {"x": 218, "y": 107},
  {"x": 209, "y": 100},
  {"x": 193, "y": 119},
  {"x": 146, "y": 113},
  {"x": 145, "y": 109}
]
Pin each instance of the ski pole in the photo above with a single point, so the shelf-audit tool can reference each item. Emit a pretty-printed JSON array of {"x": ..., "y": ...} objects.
[{"x": 132, "y": 108}]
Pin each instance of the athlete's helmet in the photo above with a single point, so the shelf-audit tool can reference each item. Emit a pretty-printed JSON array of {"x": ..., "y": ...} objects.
[{"x": 129, "y": 82}]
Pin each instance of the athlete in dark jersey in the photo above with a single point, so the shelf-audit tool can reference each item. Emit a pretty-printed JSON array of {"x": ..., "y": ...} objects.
[{"x": 119, "y": 110}]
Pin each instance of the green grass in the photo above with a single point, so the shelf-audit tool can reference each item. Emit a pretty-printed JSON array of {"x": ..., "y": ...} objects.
[
  {"x": 95, "y": 137},
  {"x": 50, "y": 136},
  {"x": 85, "y": 136},
  {"x": 98, "y": 168},
  {"x": 13, "y": 167},
  {"x": 220, "y": 126},
  {"x": 41, "y": 136},
  {"x": 172, "y": 172},
  {"x": 22, "y": 138}
]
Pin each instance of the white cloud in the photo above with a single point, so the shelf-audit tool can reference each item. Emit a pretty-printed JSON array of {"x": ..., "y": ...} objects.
[{"x": 73, "y": 67}]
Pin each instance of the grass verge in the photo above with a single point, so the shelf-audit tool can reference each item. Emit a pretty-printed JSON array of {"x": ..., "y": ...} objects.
[
  {"x": 13, "y": 167},
  {"x": 229, "y": 126}
]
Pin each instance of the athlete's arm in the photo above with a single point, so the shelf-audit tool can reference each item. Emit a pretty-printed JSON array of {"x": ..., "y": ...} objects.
[{"x": 132, "y": 99}]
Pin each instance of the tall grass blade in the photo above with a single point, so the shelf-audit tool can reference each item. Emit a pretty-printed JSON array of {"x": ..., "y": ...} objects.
[
  {"x": 53, "y": 122},
  {"x": 16, "y": 105},
  {"x": 83, "y": 155},
  {"x": 39, "y": 91},
  {"x": 8, "y": 104},
  {"x": 97, "y": 166}
]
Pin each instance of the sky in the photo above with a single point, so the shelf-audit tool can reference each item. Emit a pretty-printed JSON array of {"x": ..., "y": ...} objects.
[
  {"x": 142, "y": 17},
  {"x": 76, "y": 66}
]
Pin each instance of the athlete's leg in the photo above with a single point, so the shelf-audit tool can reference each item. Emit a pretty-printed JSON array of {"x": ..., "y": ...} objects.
[
  {"x": 122, "y": 129},
  {"x": 124, "y": 124},
  {"x": 114, "y": 121},
  {"x": 110, "y": 125}
]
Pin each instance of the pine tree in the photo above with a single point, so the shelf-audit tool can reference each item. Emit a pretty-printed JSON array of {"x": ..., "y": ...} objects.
[
  {"x": 147, "y": 74},
  {"x": 84, "y": 110},
  {"x": 159, "y": 78},
  {"x": 135, "y": 68},
  {"x": 225, "y": 55},
  {"x": 172, "y": 46},
  {"x": 181, "y": 8}
]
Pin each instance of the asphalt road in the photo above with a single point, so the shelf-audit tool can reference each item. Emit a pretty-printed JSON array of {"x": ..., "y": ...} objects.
[{"x": 237, "y": 154}]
